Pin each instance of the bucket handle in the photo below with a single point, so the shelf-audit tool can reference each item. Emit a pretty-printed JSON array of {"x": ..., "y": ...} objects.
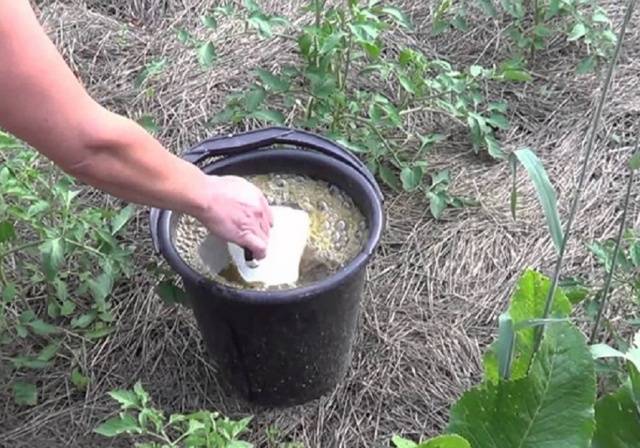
[
  {"x": 242, "y": 143},
  {"x": 249, "y": 141}
]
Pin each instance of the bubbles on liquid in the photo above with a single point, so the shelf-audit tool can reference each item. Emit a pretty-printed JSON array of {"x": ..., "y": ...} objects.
[{"x": 337, "y": 231}]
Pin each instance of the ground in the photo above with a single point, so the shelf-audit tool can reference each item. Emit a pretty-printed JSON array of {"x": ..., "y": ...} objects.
[{"x": 434, "y": 289}]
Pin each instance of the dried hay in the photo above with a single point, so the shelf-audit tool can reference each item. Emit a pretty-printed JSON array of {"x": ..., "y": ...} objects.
[{"x": 435, "y": 288}]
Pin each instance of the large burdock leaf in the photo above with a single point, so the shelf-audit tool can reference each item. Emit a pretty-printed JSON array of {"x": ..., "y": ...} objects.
[
  {"x": 617, "y": 420},
  {"x": 552, "y": 407},
  {"x": 527, "y": 303}
]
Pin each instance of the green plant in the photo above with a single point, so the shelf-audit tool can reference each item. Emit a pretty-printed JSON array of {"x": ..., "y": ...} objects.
[
  {"x": 60, "y": 258},
  {"x": 628, "y": 261},
  {"x": 335, "y": 89},
  {"x": 448, "y": 441},
  {"x": 533, "y": 24},
  {"x": 152, "y": 429},
  {"x": 539, "y": 384}
]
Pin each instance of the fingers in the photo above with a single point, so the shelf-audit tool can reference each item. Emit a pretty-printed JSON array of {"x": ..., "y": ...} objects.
[{"x": 256, "y": 244}]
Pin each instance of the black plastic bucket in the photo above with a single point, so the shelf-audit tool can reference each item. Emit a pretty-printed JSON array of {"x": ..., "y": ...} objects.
[{"x": 279, "y": 348}]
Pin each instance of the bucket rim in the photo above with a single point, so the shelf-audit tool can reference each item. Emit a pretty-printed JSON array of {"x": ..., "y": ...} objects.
[{"x": 277, "y": 296}]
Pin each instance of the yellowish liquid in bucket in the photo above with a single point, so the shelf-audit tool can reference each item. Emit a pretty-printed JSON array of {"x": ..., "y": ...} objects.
[{"x": 338, "y": 230}]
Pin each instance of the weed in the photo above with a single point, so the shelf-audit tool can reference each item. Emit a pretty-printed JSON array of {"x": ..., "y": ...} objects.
[
  {"x": 335, "y": 90},
  {"x": 535, "y": 23},
  {"x": 59, "y": 261}
]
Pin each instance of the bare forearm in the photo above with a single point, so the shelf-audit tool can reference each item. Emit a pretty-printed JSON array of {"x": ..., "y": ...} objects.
[
  {"x": 43, "y": 103},
  {"x": 125, "y": 161}
]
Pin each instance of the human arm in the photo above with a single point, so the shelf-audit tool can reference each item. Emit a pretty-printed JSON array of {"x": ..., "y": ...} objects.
[{"x": 43, "y": 103}]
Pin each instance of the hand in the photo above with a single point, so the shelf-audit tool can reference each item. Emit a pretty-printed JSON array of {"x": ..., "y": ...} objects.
[{"x": 238, "y": 212}]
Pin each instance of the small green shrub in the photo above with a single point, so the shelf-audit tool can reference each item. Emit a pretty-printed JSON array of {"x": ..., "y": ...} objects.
[
  {"x": 351, "y": 86},
  {"x": 151, "y": 428},
  {"x": 533, "y": 24},
  {"x": 59, "y": 261}
]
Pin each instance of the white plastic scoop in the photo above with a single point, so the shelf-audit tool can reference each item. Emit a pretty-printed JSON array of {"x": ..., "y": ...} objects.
[{"x": 287, "y": 240}]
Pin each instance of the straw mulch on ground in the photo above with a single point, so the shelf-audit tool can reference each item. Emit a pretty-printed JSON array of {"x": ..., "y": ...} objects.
[{"x": 435, "y": 288}]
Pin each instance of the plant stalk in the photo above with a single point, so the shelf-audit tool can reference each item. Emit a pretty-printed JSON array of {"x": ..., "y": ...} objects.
[
  {"x": 616, "y": 249},
  {"x": 581, "y": 179}
]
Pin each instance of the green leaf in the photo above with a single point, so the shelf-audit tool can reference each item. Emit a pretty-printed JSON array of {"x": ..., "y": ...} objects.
[
  {"x": 254, "y": 98},
  {"x": 331, "y": 43},
  {"x": 260, "y": 22},
  {"x": 437, "y": 204},
  {"x": 102, "y": 285},
  {"x": 170, "y": 293},
  {"x": 579, "y": 30},
  {"x": 634, "y": 163},
  {"x": 8, "y": 141},
  {"x": 206, "y": 54},
  {"x": 398, "y": 15},
  {"x": 552, "y": 407},
  {"x": 84, "y": 320},
  {"x": 516, "y": 75},
  {"x": 400, "y": 442},
  {"x": 546, "y": 193},
  {"x": 184, "y": 37},
  {"x": 575, "y": 291},
  {"x": 269, "y": 115},
  {"x": 52, "y": 256},
  {"x": 272, "y": 82},
  {"x": 389, "y": 177},
  {"x": 98, "y": 333},
  {"x": 148, "y": 123},
  {"x": 493, "y": 147},
  {"x": 79, "y": 380},
  {"x": 118, "y": 425},
  {"x": 242, "y": 444},
  {"x": 48, "y": 352},
  {"x": 600, "y": 15},
  {"x": 126, "y": 398},
  {"x": 407, "y": 84},
  {"x": 411, "y": 177},
  {"x": 586, "y": 65},
  {"x": 122, "y": 218},
  {"x": 9, "y": 292},
  {"x": 25, "y": 394},
  {"x": 527, "y": 303},
  {"x": 209, "y": 21},
  {"x": 41, "y": 328},
  {"x": 617, "y": 421},
  {"x": 372, "y": 50},
  {"x": 488, "y": 7},
  {"x": 142, "y": 394},
  {"x": 599, "y": 351},
  {"x": 498, "y": 120},
  {"x": 7, "y": 232},
  {"x": 476, "y": 70},
  {"x": 153, "y": 68},
  {"x": 37, "y": 208},
  {"x": 445, "y": 441}
]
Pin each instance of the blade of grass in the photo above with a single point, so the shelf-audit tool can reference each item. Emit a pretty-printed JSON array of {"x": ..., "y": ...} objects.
[{"x": 546, "y": 193}]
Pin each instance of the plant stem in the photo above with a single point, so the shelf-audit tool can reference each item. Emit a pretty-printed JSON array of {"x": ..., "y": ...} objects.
[
  {"x": 85, "y": 247},
  {"x": 536, "y": 22},
  {"x": 21, "y": 247},
  {"x": 616, "y": 249},
  {"x": 576, "y": 199}
]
